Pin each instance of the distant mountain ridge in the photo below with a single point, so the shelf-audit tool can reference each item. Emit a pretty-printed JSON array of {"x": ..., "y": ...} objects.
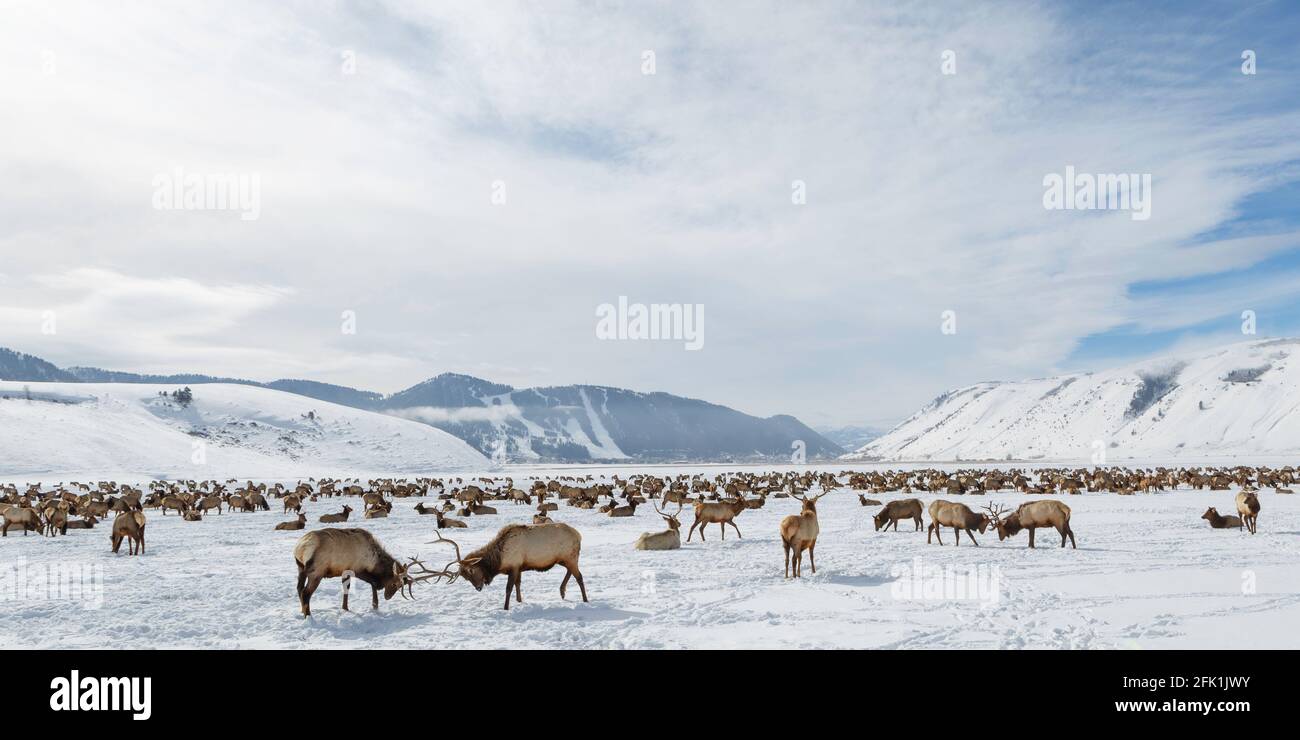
[
  {"x": 1239, "y": 400},
  {"x": 575, "y": 423}
]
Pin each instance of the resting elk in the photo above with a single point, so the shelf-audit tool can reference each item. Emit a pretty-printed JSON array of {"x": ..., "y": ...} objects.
[
  {"x": 348, "y": 553},
  {"x": 515, "y": 549},
  {"x": 1218, "y": 521},
  {"x": 1031, "y": 516},
  {"x": 721, "y": 514},
  {"x": 959, "y": 517},
  {"x": 669, "y": 539},
  {"x": 799, "y": 533},
  {"x": 298, "y": 523},
  {"x": 342, "y": 516}
]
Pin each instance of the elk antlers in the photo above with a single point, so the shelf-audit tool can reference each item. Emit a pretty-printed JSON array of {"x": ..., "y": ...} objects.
[
  {"x": 438, "y": 575},
  {"x": 996, "y": 513}
]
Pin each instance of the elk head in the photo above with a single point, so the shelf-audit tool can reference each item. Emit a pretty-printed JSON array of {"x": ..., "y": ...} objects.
[
  {"x": 1006, "y": 527},
  {"x": 469, "y": 569},
  {"x": 810, "y": 504},
  {"x": 671, "y": 519}
]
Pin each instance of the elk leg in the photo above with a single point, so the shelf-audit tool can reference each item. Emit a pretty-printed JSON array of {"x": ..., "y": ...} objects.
[
  {"x": 722, "y": 527},
  {"x": 691, "y": 533},
  {"x": 733, "y": 526},
  {"x": 510, "y": 584},
  {"x": 312, "y": 584},
  {"x": 812, "y": 560},
  {"x": 347, "y": 589},
  {"x": 302, "y": 580},
  {"x": 582, "y": 585},
  {"x": 1031, "y": 537},
  {"x": 374, "y": 597},
  {"x": 519, "y": 578},
  {"x": 971, "y": 535},
  {"x": 786, "y": 546},
  {"x": 568, "y": 573}
]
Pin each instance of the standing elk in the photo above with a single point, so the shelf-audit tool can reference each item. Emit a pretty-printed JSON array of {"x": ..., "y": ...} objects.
[
  {"x": 129, "y": 525},
  {"x": 515, "y": 549},
  {"x": 669, "y": 539},
  {"x": 28, "y": 518},
  {"x": 721, "y": 514},
  {"x": 959, "y": 517},
  {"x": 907, "y": 508},
  {"x": 293, "y": 502},
  {"x": 207, "y": 503},
  {"x": 1218, "y": 521},
  {"x": 348, "y": 553},
  {"x": 798, "y": 533},
  {"x": 1031, "y": 516},
  {"x": 342, "y": 516},
  {"x": 1248, "y": 509}
]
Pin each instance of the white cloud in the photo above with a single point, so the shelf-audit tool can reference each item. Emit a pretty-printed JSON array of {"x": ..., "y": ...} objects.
[{"x": 924, "y": 191}]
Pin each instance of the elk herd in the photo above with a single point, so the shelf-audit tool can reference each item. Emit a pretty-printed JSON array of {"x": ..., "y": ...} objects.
[{"x": 355, "y": 553}]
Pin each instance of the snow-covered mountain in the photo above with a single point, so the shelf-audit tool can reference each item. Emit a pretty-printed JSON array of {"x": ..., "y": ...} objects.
[
  {"x": 573, "y": 423},
  {"x": 1238, "y": 400},
  {"x": 140, "y": 430}
]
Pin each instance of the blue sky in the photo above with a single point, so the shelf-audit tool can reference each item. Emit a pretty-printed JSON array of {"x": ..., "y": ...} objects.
[{"x": 924, "y": 190}]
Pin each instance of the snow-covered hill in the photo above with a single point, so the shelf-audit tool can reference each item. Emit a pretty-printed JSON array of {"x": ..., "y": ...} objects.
[
  {"x": 1238, "y": 400},
  {"x": 134, "y": 430}
]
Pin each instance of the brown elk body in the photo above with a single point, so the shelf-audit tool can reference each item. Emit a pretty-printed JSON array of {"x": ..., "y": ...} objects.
[
  {"x": 128, "y": 525},
  {"x": 518, "y": 548},
  {"x": 798, "y": 533},
  {"x": 342, "y": 516},
  {"x": 1033, "y": 515},
  {"x": 1218, "y": 521},
  {"x": 959, "y": 517},
  {"x": 27, "y": 518},
  {"x": 298, "y": 523},
  {"x": 346, "y": 553},
  {"x": 907, "y": 508},
  {"x": 720, "y": 513},
  {"x": 1248, "y": 509}
]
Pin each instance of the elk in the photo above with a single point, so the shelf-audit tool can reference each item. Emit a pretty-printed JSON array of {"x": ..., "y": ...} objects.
[
  {"x": 298, "y": 523},
  {"x": 208, "y": 503},
  {"x": 959, "y": 517},
  {"x": 1218, "y": 521},
  {"x": 622, "y": 511},
  {"x": 419, "y": 509},
  {"x": 173, "y": 502},
  {"x": 192, "y": 516},
  {"x": 515, "y": 549},
  {"x": 799, "y": 533},
  {"x": 867, "y": 501},
  {"x": 1248, "y": 509},
  {"x": 293, "y": 502},
  {"x": 87, "y": 523},
  {"x": 129, "y": 525},
  {"x": 1031, "y": 516},
  {"x": 342, "y": 516},
  {"x": 907, "y": 508},
  {"x": 56, "y": 519},
  {"x": 669, "y": 539},
  {"x": 722, "y": 514},
  {"x": 444, "y": 522},
  {"x": 28, "y": 518},
  {"x": 348, "y": 553}
]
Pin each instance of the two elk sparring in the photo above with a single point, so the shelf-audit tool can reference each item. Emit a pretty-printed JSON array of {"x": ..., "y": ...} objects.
[
  {"x": 1031, "y": 516},
  {"x": 349, "y": 553},
  {"x": 515, "y": 549},
  {"x": 798, "y": 533}
]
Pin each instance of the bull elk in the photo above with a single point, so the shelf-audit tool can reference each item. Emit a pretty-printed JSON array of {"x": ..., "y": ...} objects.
[
  {"x": 959, "y": 517},
  {"x": 349, "y": 553},
  {"x": 798, "y": 533},
  {"x": 669, "y": 539},
  {"x": 444, "y": 522},
  {"x": 1031, "y": 516},
  {"x": 1248, "y": 509},
  {"x": 515, "y": 549}
]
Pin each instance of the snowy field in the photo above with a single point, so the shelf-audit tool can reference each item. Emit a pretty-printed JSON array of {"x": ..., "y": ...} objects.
[{"x": 1148, "y": 574}]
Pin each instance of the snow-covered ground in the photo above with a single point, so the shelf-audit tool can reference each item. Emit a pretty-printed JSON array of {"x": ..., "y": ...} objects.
[
  {"x": 1149, "y": 573},
  {"x": 121, "y": 431},
  {"x": 1240, "y": 399}
]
